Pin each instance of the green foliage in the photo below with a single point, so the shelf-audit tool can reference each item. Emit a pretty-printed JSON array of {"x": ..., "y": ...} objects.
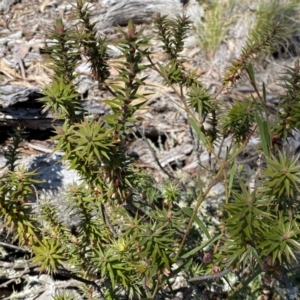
[
  {"x": 88, "y": 136},
  {"x": 63, "y": 296},
  {"x": 200, "y": 100},
  {"x": 172, "y": 33},
  {"x": 277, "y": 11},
  {"x": 61, "y": 96},
  {"x": 12, "y": 153},
  {"x": 282, "y": 176},
  {"x": 63, "y": 99},
  {"x": 247, "y": 222},
  {"x": 212, "y": 30},
  {"x": 15, "y": 192},
  {"x": 95, "y": 50},
  {"x": 281, "y": 242},
  {"x": 131, "y": 234},
  {"x": 262, "y": 41},
  {"x": 239, "y": 120},
  {"x": 49, "y": 254},
  {"x": 290, "y": 103}
]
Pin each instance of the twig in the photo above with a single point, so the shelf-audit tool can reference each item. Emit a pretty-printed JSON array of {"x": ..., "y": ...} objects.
[
  {"x": 210, "y": 276},
  {"x": 71, "y": 275},
  {"x": 18, "y": 59},
  {"x": 6, "y": 245},
  {"x": 110, "y": 90},
  {"x": 26, "y": 267},
  {"x": 26, "y": 294},
  {"x": 244, "y": 161},
  {"x": 5, "y": 284},
  {"x": 19, "y": 265},
  {"x": 217, "y": 178},
  {"x": 107, "y": 221}
]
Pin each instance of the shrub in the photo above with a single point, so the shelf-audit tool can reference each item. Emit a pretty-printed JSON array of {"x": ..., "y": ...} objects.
[{"x": 129, "y": 244}]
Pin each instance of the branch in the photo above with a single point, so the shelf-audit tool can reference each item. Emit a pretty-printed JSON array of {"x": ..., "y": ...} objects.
[{"x": 210, "y": 276}]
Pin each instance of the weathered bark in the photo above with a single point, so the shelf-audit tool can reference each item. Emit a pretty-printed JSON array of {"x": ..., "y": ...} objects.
[
  {"x": 21, "y": 105},
  {"x": 140, "y": 11},
  {"x": 143, "y": 12}
]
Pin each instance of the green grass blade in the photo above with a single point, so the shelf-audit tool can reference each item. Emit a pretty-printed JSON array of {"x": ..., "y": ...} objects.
[
  {"x": 198, "y": 131},
  {"x": 203, "y": 245},
  {"x": 198, "y": 221},
  {"x": 264, "y": 131}
]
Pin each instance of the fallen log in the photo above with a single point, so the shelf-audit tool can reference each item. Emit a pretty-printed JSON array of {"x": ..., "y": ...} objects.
[{"x": 144, "y": 12}]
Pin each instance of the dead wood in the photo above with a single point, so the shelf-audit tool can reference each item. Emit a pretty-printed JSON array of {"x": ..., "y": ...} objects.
[{"x": 140, "y": 11}]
